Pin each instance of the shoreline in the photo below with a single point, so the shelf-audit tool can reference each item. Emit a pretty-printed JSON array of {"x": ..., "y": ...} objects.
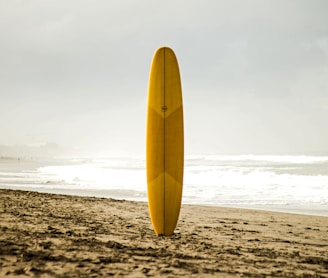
[
  {"x": 204, "y": 186},
  {"x": 292, "y": 209},
  {"x": 52, "y": 235}
]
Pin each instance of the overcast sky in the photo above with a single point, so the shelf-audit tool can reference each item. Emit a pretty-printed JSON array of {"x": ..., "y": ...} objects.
[{"x": 254, "y": 73}]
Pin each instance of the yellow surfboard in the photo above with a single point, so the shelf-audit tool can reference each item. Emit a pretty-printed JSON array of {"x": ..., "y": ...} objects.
[{"x": 165, "y": 143}]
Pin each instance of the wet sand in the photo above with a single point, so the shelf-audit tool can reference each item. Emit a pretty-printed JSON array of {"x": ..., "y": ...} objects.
[{"x": 48, "y": 235}]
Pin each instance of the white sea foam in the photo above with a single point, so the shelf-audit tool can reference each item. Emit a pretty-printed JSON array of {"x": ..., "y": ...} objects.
[{"x": 270, "y": 182}]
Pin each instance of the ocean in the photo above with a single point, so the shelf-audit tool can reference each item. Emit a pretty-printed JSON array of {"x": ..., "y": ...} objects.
[{"x": 296, "y": 184}]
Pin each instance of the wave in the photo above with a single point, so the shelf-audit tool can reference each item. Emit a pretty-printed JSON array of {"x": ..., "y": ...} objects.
[
  {"x": 237, "y": 180},
  {"x": 298, "y": 159}
]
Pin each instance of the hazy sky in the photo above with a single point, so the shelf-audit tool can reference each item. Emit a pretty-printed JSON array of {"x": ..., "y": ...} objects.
[{"x": 254, "y": 73}]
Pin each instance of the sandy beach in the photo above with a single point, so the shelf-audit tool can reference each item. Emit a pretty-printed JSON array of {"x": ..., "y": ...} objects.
[{"x": 47, "y": 235}]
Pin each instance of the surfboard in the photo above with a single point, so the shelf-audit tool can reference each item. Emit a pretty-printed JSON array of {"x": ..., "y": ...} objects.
[{"x": 165, "y": 142}]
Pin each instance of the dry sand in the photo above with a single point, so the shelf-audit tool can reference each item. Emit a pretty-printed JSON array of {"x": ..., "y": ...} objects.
[{"x": 44, "y": 235}]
